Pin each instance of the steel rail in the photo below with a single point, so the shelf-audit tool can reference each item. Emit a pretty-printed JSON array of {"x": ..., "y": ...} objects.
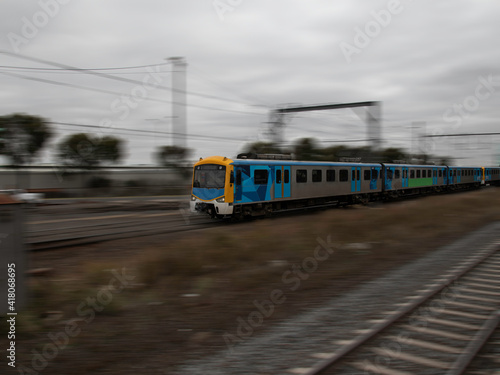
[
  {"x": 399, "y": 314},
  {"x": 470, "y": 352},
  {"x": 65, "y": 242}
]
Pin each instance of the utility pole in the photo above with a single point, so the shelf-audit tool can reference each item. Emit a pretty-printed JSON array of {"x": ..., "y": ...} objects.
[{"x": 179, "y": 112}]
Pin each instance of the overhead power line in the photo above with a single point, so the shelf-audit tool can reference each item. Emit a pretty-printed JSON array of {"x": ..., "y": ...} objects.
[
  {"x": 460, "y": 135},
  {"x": 57, "y": 83},
  {"x": 112, "y": 77},
  {"x": 82, "y": 70},
  {"x": 114, "y": 93},
  {"x": 144, "y": 132}
]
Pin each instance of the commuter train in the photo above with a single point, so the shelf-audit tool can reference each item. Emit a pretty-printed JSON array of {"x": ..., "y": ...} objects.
[{"x": 262, "y": 185}]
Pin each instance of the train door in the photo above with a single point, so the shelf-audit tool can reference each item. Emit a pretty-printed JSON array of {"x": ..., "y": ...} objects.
[
  {"x": 238, "y": 185},
  {"x": 282, "y": 182},
  {"x": 355, "y": 179},
  {"x": 389, "y": 175},
  {"x": 434, "y": 176},
  {"x": 445, "y": 176},
  {"x": 374, "y": 180},
  {"x": 487, "y": 174},
  {"x": 405, "y": 177},
  {"x": 458, "y": 171}
]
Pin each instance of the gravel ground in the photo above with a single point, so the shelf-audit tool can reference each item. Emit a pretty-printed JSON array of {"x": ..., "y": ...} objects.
[{"x": 291, "y": 344}]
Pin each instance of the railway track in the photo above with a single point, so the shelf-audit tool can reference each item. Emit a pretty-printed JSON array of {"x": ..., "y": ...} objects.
[
  {"x": 69, "y": 235},
  {"x": 439, "y": 330}
]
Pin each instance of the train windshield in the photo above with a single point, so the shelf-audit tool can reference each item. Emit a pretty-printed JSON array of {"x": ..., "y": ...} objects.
[{"x": 209, "y": 176}]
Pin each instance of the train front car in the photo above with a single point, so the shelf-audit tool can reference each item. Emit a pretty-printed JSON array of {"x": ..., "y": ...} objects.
[{"x": 212, "y": 189}]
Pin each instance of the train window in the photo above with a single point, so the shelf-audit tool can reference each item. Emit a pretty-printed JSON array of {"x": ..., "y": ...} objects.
[
  {"x": 287, "y": 176},
  {"x": 260, "y": 177},
  {"x": 440, "y": 173},
  {"x": 419, "y": 173},
  {"x": 390, "y": 174},
  {"x": 317, "y": 175},
  {"x": 209, "y": 176},
  {"x": 424, "y": 173},
  {"x": 238, "y": 177},
  {"x": 367, "y": 175},
  {"x": 330, "y": 175},
  {"x": 397, "y": 174},
  {"x": 343, "y": 175},
  {"x": 278, "y": 176},
  {"x": 301, "y": 175},
  {"x": 358, "y": 175},
  {"x": 374, "y": 173},
  {"x": 412, "y": 173}
]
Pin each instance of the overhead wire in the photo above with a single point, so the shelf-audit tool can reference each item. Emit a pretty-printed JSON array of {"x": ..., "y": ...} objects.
[
  {"x": 83, "y": 69},
  {"x": 245, "y": 96},
  {"x": 112, "y": 77},
  {"x": 71, "y": 85},
  {"x": 144, "y": 132},
  {"x": 114, "y": 93}
]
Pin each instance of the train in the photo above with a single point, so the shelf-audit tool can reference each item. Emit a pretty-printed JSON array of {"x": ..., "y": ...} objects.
[{"x": 256, "y": 185}]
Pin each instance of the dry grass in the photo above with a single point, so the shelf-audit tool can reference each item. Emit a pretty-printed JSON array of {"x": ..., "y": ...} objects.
[
  {"x": 205, "y": 281},
  {"x": 257, "y": 253}
]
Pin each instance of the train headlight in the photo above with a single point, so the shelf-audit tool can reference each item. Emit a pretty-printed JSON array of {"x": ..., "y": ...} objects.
[
  {"x": 221, "y": 200},
  {"x": 193, "y": 198}
]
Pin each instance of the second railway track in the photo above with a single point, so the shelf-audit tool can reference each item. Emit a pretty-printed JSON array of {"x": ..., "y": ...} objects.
[
  {"x": 70, "y": 235},
  {"x": 439, "y": 330}
]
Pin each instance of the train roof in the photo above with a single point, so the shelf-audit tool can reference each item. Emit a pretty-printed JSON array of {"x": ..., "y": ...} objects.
[
  {"x": 296, "y": 162},
  {"x": 414, "y": 165},
  {"x": 227, "y": 161}
]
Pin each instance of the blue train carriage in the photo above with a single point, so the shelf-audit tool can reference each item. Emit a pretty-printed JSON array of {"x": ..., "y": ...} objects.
[
  {"x": 464, "y": 177},
  {"x": 250, "y": 187},
  {"x": 406, "y": 179},
  {"x": 264, "y": 186}
]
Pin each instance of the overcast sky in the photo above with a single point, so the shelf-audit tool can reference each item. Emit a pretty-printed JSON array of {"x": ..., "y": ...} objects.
[{"x": 434, "y": 65}]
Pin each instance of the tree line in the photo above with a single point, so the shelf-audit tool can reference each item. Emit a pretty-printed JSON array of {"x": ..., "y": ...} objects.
[
  {"x": 307, "y": 149},
  {"x": 23, "y": 137}
]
